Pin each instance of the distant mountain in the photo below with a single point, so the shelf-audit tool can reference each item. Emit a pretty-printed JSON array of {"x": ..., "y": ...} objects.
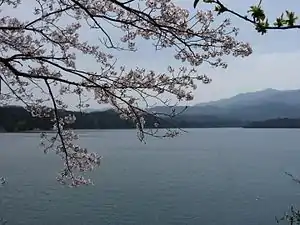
[
  {"x": 290, "y": 97},
  {"x": 17, "y": 119},
  {"x": 268, "y": 108},
  {"x": 253, "y": 106}
]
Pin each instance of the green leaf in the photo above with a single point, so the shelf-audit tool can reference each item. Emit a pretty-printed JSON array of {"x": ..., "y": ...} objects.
[
  {"x": 261, "y": 28},
  {"x": 291, "y": 18},
  {"x": 257, "y": 13},
  {"x": 267, "y": 23},
  {"x": 279, "y": 21},
  {"x": 219, "y": 9}
]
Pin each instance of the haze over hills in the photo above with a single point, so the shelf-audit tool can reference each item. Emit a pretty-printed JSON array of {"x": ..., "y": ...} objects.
[
  {"x": 290, "y": 97},
  {"x": 260, "y": 105},
  {"x": 268, "y": 108}
]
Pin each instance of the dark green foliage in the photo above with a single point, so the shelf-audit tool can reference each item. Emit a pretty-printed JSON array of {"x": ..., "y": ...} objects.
[
  {"x": 275, "y": 123},
  {"x": 16, "y": 119}
]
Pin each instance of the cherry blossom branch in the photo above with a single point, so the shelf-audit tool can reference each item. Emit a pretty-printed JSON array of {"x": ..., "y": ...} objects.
[
  {"x": 95, "y": 21},
  {"x": 59, "y": 128},
  {"x": 39, "y": 64}
]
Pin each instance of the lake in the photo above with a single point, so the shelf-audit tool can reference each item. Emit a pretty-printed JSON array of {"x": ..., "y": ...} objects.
[{"x": 205, "y": 176}]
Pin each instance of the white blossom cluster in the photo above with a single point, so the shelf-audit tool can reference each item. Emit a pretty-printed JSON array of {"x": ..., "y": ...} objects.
[{"x": 40, "y": 56}]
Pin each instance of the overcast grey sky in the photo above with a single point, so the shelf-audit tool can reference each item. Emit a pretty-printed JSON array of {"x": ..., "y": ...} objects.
[{"x": 275, "y": 62}]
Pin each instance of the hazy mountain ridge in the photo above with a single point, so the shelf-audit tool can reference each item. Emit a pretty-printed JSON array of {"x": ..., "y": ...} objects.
[
  {"x": 268, "y": 108},
  {"x": 17, "y": 119},
  {"x": 290, "y": 97},
  {"x": 260, "y": 105}
]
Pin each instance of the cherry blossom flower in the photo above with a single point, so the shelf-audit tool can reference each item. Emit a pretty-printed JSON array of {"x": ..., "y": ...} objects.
[{"x": 40, "y": 56}]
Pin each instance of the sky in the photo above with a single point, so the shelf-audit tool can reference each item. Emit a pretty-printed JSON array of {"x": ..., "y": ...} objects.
[{"x": 274, "y": 63}]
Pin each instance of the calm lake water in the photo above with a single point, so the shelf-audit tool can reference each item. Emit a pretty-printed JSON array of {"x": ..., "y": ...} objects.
[{"x": 206, "y": 176}]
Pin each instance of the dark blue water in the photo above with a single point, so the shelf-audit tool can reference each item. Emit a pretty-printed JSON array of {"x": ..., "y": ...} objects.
[{"x": 207, "y": 176}]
